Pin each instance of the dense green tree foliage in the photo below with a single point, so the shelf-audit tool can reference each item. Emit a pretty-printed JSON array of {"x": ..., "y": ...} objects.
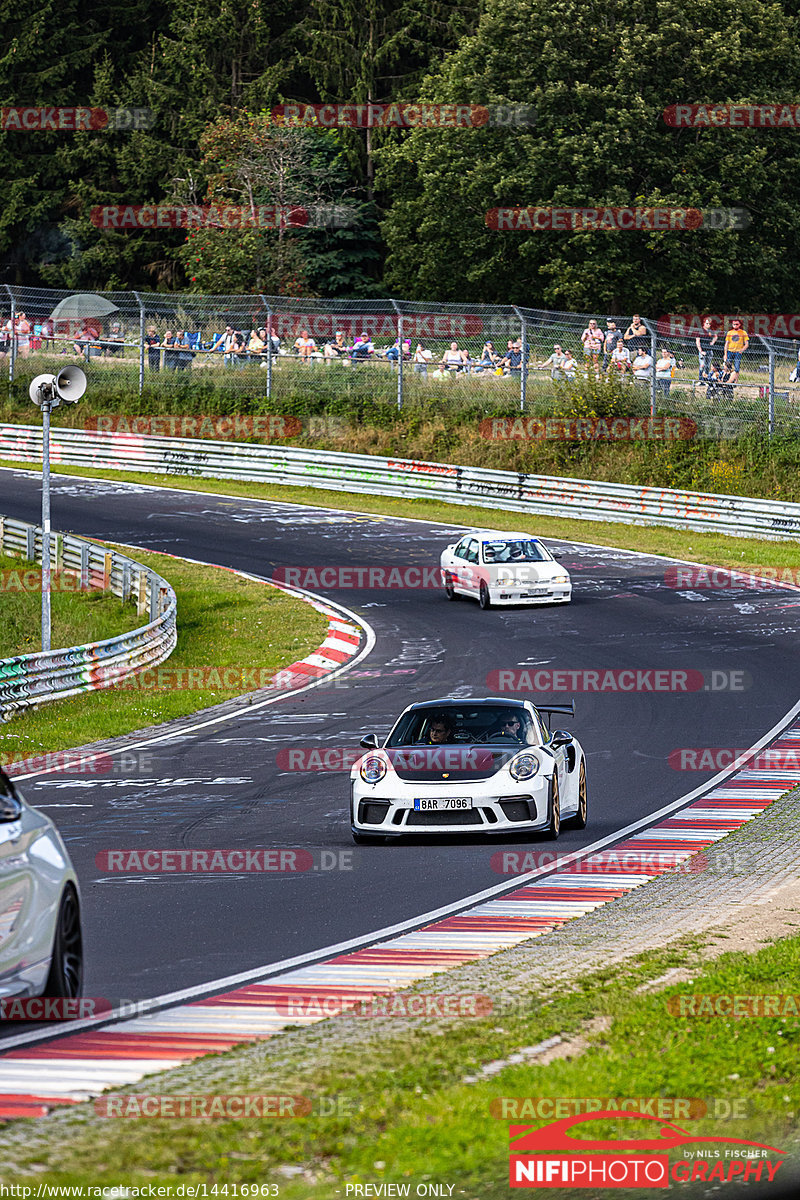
[{"x": 599, "y": 76}]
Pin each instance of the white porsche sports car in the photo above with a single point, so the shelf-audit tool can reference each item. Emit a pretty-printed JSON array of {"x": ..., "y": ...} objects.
[
  {"x": 504, "y": 568},
  {"x": 469, "y": 766},
  {"x": 41, "y": 947}
]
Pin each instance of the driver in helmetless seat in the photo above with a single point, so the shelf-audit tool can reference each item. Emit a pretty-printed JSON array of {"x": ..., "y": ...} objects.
[
  {"x": 510, "y": 727},
  {"x": 440, "y": 731}
]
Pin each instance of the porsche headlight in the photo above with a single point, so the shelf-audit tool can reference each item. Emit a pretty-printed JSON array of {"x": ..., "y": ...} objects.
[
  {"x": 524, "y": 766},
  {"x": 372, "y": 769}
]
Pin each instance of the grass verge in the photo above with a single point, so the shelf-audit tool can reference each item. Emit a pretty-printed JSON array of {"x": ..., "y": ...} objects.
[
  {"x": 398, "y": 1110},
  {"x": 224, "y": 623},
  {"x": 76, "y": 617}
]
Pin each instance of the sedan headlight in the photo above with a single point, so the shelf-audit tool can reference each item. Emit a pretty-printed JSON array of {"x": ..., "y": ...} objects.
[
  {"x": 560, "y": 579},
  {"x": 372, "y": 769},
  {"x": 524, "y": 766}
]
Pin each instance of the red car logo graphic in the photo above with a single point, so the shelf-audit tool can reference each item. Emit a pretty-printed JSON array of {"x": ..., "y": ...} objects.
[{"x": 526, "y": 1139}]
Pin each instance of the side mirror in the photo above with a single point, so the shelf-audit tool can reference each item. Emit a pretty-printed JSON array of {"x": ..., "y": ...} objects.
[
  {"x": 370, "y": 742},
  {"x": 10, "y": 804},
  {"x": 561, "y": 737}
]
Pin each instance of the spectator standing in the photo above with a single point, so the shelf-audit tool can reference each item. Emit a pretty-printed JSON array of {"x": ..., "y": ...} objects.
[
  {"x": 184, "y": 356},
  {"x": 636, "y": 336},
  {"x": 736, "y": 344},
  {"x": 592, "y": 340},
  {"x": 48, "y": 333},
  {"x": 556, "y": 363},
  {"x": 22, "y": 330},
  {"x": 256, "y": 344},
  {"x": 153, "y": 349},
  {"x": 665, "y": 365},
  {"x": 705, "y": 343},
  {"x": 610, "y": 341},
  {"x": 568, "y": 366},
  {"x": 170, "y": 354}
]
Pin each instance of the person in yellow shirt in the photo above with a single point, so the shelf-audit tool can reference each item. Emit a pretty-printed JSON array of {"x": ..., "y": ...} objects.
[{"x": 736, "y": 343}]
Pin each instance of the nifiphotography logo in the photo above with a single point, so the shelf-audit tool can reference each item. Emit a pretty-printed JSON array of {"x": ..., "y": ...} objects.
[{"x": 551, "y": 1157}]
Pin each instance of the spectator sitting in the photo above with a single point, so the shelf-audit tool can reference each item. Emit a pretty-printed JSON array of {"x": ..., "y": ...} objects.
[
  {"x": 642, "y": 365},
  {"x": 362, "y": 348},
  {"x": 556, "y": 363},
  {"x": 256, "y": 344},
  {"x": 455, "y": 359},
  {"x": 620, "y": 358},
  {"x": 305, "y": 346},
  {"x": 82, "y": 341},
  {"x": 336, "y": 349},
  {"x": 422, "y": 358},
  {"x": 488, "y": 359},
  {"x": 665, "y": 365},
  {"x": 116, "y": 336}
]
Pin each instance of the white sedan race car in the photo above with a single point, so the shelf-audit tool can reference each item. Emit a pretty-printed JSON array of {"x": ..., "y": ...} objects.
[
  {"x": 41, "y": 948},
  {"x": 504, "y": 568},
  {"x": 469, "y": 766}
]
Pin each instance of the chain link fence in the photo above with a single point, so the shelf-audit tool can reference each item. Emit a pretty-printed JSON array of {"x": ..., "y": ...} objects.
[{"x": 243, "y": 353}]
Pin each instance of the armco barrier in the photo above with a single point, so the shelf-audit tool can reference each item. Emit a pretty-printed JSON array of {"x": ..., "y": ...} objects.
[
  {"x": 581, "y": 499},
  {"x": 33, "y": 679}
]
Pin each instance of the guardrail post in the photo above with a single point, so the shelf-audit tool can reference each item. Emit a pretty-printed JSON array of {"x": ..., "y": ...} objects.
[
  {"x": 2, "y": 535},
  {"x": 107, "y": 565},
  {"x": 141, "y": 341},
  {"x": 141, "y": 595},
  {"x": 126, "y": 581},
  {"x": 30, "y": 543},
  {"x": 153, "y": 590},
  {"x": 84, "y": 568},
  {"x": 399, "y": 313},
  {"x": 269, "y": 347}
]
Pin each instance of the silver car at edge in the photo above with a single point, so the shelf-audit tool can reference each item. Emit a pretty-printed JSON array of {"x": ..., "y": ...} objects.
[{"x": 41, "y": 942}]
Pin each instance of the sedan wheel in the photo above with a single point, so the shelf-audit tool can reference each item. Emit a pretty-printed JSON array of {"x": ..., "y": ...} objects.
[
  {"x": 484, "y": 599},
  {"x": 554, "y": 826},
  {"x": 66, "y": 968}
]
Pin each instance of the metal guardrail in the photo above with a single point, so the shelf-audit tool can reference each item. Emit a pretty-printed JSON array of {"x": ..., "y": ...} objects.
[
  {"x": 543, "y": 495},
  {"x": 28, "y": 680}
]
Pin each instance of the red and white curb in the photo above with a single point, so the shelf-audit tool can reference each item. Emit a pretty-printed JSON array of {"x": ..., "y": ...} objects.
[{"x": 75, "y": 1067}]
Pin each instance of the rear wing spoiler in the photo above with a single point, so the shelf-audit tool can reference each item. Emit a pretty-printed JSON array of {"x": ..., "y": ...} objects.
[{"x": 567, "y": 710}]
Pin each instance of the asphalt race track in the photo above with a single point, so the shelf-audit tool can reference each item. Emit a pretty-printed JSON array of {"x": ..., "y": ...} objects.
[{"x": 221, "y": 786}]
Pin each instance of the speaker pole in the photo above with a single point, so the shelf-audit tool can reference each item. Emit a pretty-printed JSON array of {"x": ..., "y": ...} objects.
[{"x": 45, "y": 521}]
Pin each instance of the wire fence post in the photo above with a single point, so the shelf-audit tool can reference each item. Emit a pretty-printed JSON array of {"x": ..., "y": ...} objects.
[
  {"x": 523, "y": 374},
  {"x": 654, "y": 357},
  {"x": 399, "y": 355},
  {"x": 265, "y": 302},
  {"x": 141, "y": 341},
  {"x": 771, "y": 402},
  {"x": 12, "y": 327}
]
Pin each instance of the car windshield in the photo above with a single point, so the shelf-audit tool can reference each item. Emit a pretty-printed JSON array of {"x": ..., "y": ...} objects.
[
  {"x": 462, "y": 724},
  {"x": 514, "y": 550}
]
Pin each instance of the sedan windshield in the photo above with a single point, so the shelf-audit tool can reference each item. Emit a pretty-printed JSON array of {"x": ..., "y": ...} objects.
[
  {"x": 448, "y": 725},
  {"x": 514, "y": 551}
]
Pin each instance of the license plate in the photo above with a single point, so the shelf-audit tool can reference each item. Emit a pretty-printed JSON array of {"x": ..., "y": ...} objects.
[
  {"x": 542, "y": 591},
  {"x": 442, "y": 804}
]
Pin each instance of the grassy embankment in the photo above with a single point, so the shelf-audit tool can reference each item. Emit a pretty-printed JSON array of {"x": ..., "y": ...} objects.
[{"x": 223, "y": 622}]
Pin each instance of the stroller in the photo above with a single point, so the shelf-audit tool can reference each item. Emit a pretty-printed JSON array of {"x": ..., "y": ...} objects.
[{"x": 718, "y": 382}]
